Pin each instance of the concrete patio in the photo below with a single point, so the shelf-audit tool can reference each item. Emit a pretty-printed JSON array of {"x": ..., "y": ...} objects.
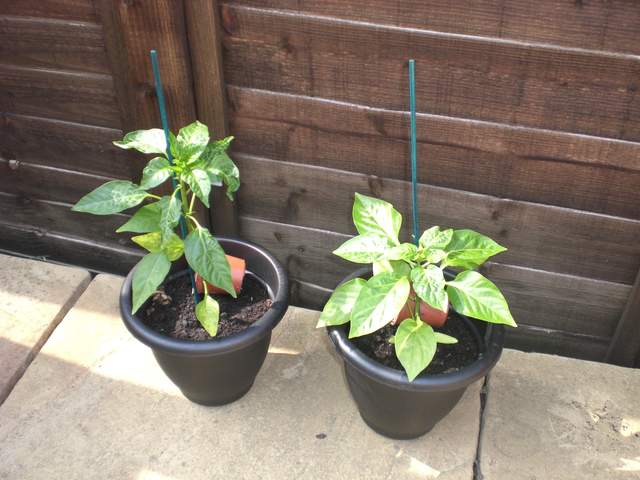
[{"x": 92, "y": 403}]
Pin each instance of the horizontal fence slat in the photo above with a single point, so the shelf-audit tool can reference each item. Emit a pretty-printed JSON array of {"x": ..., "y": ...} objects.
[
  {"x": 545, "y": 87},
  {"x": 72, "y": 146},
  {"x": 538, "y": 236},
  {"x": 538, "y": 298},
  {"x": 611, "y": 25},
  {"x": 57, "y": 44},
  {"x": 76, "y": 97},
  {"x": 45, "y": 217},
  {"x": 81, "y": 10},
  {"x": 48, "y": 183},
  {"x": 532, "y": 339},
  {"x": 90, "y": 254},
  {"x": 519, "y": 163}
]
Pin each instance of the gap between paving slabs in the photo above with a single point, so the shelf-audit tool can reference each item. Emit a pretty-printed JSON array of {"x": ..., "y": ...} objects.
[{"x": 34, "y": 297}]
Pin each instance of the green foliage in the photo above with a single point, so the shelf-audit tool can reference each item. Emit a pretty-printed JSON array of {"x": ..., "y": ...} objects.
[
  {"x": 198, "y": 164},
  {"x": 208, "y": 313},
  {"x": 206, "y": 257},
  {"x": 403, "y": 271},
  {"x": 112, "y": 197},
  {"x": 148, "y": 276}
]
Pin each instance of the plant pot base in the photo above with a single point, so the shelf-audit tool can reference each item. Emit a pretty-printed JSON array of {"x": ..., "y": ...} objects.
[{"x": 217, "y": 402}]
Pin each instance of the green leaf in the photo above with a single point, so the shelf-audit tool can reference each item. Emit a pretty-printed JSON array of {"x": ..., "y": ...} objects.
[
  {"x": 429, "y": 284},
  {"x": 435, "y": 238},
  {"x": 145, "y": 141},
  {"x": 379, "y": 302},
  {"x": 206, "y": 256},
  {"x": 365, "y": 248},
  {"x": 148, "y": 276},
  {"x": 431, "y": 255},
  {"x": 399, "y": 267},
  {"x": 200, "y": 184},
  {"x": 149, "y": 241},
  {"x": 404, "y": 251},
  {"x": 372, "y": 215},
  {"x": 208, "y": 314},
  {"x": 192, "y": 141},
  {"x": 157, "y": 171},
  {"x": 415, "y": 346},
  {"x": 110, "y": 198},
  {"x": 473, "y": 295},
  {"x": 469, "y": 249},
  {"x": 173, "y": 246},
  {"x": 146, "y": 219},
  {"x": 170, "y": 216},
  {"x": 446, "y": 339},
  {"x": 338, "y": 309},
  {"x": 219, "y": 165}
]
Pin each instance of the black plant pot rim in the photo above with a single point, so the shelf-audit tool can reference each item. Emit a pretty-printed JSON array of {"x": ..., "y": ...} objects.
[
  {"x": 494, "y": 339},
  {"x": 253, "y": 333}
]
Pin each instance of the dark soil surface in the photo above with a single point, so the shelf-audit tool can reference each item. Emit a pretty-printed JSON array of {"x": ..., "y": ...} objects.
[
  {"x": 171, "y": 310},
  {"x": 448, "y": 358}
]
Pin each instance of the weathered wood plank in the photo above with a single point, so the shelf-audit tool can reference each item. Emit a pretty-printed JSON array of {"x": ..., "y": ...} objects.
[
  {"x": 81, "y": 10},
  {"x": 610, "y": 25},
  {"x": 539, "y": 298},
  {"x": 45, "y": 216},
  {"x": 538, "y": 236},
  {"x": 57, "y": 44},
  {"x": 76, "y": 97},
  {"x": 519, "y": 163},
  {"x": 89, "y": 254},
  {"x": 67, "y": 145},
  {"x": 538, "y": 86},
  {"x": 48, "y": 183},
  {"x": 625, "y": 345},
  {"x": 203, "y": 28},
  {"x": 308, "y": 295},
  {"x": 534, "y": 339}
]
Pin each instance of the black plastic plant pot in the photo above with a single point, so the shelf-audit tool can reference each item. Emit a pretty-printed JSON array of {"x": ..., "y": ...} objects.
[
  {"x": 397, "y": 408},
  {"x": 220, "y": 370}
]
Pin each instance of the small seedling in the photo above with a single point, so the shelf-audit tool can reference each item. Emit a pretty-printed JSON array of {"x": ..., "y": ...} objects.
[
  {"x": 407, "y": 274},
  {"x": 197, "y": 165}
]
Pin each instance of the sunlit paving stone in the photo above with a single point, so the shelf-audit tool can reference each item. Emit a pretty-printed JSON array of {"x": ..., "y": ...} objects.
[
  {"x": 106, "y": 410},
  {"x": 34, "y": 297},
  {"x": 551, "y": 417}
]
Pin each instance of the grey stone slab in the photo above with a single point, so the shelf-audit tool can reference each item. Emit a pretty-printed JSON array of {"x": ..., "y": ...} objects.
[
  {"x": 94, "y": 404},
  {"x": 549, "y": 417},
  {"x": 34, "y": 297}
]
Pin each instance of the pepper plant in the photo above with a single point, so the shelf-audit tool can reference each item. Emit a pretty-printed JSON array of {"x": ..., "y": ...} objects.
[
  {"x": 198, "y": 163},
  {"x": 404, "y": 272}
]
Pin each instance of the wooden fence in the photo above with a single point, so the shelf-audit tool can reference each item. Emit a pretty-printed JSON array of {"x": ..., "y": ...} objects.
[{"x": 528, "y": 131}]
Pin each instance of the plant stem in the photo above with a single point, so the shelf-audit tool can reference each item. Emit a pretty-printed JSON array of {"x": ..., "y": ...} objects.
[
  {"x": 193, "y": 199},
  {"x": 155, "y": 197},
  {"x": 183, "y": 197},
  {"x": 193, "y": 219}
]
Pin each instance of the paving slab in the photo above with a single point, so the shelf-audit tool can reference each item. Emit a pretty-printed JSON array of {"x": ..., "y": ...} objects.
[
  {"x": 549, "y": 417},
  {"x": 34, "y": 297},
  {"x": 94, "y": 404}
]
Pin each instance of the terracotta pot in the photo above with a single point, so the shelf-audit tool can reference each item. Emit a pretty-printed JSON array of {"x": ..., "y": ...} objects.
[{"x": 238, "y": 269}]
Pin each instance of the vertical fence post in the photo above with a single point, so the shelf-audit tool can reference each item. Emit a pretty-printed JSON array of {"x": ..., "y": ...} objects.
[
  {"x": 203, "y": 32},
  {"x": 131, "y": 30}
]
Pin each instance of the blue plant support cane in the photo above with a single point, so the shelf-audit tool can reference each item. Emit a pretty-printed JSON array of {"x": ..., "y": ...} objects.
[
  {"x": 414, "y": 167},
  {"x": 165, "y": 127}
]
